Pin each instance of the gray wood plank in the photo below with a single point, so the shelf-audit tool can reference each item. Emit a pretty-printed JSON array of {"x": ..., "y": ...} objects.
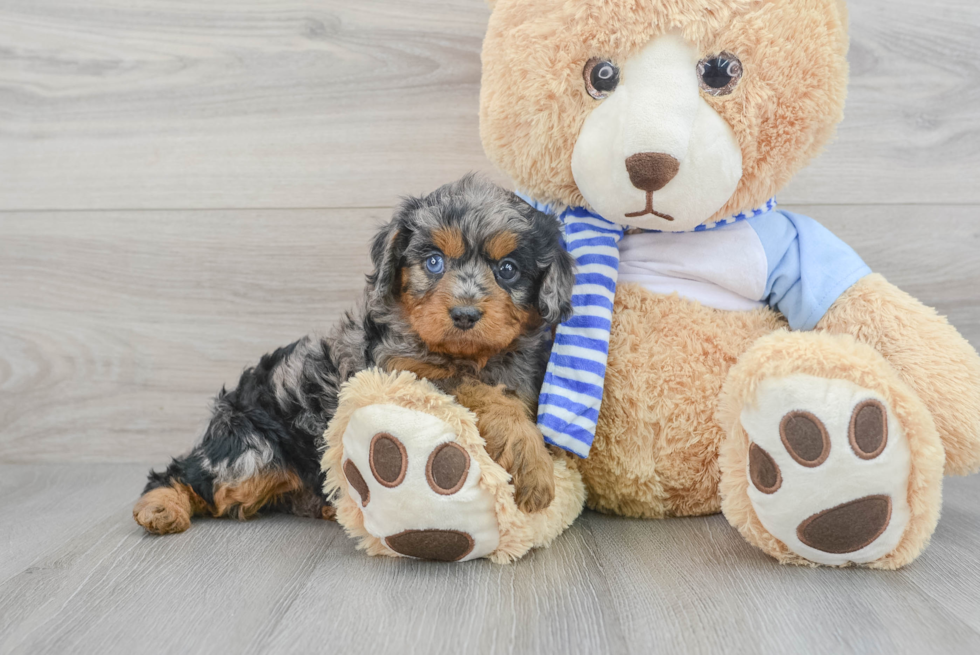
[
  {"x": 43, "y": 506},
  {"x": 694, "y": 585},
  {"x": 218, "y": 588},
  {"x": 553, "y": 601},
  {"x": 281, "y": 584},
  {"x": 119, "y": 327},
  {"x": 303, "y": 103},
  {"x": 153, "y": 312},
  {"x": 289, "y": 103},
  {"x": 910, "y": 132},
  {"x": 949, "y": 572}
]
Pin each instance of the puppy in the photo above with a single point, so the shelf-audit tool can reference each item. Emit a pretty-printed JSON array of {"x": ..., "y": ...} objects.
[{"x": 466, "y": 282}]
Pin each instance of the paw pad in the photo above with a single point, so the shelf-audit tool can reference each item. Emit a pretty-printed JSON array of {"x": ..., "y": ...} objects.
[
  {"x": 356, "y": 480},
  {"x": 389, "y": 461},
  {"x": 763, "y": 470},
  {"x": 417, "y": 489},
  {"x": 446, "y": 468},
  {"x": 869, "y": 429},
  {"x": 848, "y": 527},
  {"x": 437, "y": 545},
  {"x": 805, "y": 438},
  {"x": 828, "y": 466}
]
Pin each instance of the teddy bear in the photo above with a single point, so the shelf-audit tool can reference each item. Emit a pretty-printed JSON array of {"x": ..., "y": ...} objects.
[{"x": 723, "y": 354}]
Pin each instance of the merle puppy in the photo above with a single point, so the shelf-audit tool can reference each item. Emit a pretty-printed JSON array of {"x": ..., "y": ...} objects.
[{"x": 466, "y": 282}]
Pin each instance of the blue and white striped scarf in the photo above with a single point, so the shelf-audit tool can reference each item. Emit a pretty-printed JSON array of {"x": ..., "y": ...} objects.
[{"x": 568, "y": 407}]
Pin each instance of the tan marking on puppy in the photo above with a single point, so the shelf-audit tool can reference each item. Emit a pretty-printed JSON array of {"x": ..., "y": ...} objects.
[
  {"x": 450, "y": 241},
  {"x": 501, "y": 324},
  {"x": 513, "y": 441},
  {"x": 243, "y": 500},
  {"x": 168, "y": 510},
  {"x": 500, "y": 245}
]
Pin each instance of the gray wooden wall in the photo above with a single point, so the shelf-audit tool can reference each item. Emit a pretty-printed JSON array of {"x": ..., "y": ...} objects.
[{"x": 185, "y": 185}]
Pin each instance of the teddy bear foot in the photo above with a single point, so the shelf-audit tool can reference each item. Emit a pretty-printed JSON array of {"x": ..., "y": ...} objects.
[
  {"x": 829, "y": 466},
  {"x": 419, "y": 494},
  {"x": 410, "y": 477},
  {"x": 829, "y": 469}
]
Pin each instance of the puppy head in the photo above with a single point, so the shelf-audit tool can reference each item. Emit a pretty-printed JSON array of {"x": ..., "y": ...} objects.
[{"x": 472, "y": 267}]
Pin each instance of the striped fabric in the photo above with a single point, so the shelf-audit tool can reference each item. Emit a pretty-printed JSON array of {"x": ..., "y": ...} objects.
[{"x": 568, "y": 407}]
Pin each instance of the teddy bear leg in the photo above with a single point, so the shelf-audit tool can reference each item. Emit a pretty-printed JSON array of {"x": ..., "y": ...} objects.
[
  {"x": 409, "y": 475},
  {"x": 927, "y": 353},
  {"x": 830, "y": 457}
]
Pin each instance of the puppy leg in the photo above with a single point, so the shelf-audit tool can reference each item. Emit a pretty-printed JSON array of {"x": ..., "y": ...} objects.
[
  {"x": 260, "y": 448},
  {"x": 171, "y": 498},
  {"x": 513, "y": 441}
]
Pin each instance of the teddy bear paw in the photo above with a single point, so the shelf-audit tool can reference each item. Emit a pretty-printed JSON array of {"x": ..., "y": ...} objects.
[
  {"x": 829, "y": 468},
  {"x": 417, "y": 489}
]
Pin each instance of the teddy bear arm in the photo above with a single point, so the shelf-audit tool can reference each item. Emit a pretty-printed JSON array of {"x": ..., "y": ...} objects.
[{"x": 927, "y": 352}]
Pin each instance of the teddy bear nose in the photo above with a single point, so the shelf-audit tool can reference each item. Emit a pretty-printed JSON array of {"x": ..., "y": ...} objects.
[
  {"x": 651, "y": 171},
  {"x": 465, "y": 316}
]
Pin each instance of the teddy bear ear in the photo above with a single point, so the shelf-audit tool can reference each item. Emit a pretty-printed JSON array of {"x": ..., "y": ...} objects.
[{"x": 491, "y": 3}]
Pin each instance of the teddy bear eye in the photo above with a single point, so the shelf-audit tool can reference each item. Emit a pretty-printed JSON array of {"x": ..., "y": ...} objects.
[
  {"x": 719, "y": 75},
  {"x": 601, "y": 77}
]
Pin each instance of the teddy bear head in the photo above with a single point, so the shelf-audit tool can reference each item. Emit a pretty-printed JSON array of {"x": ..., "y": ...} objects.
[{"x": 661, "y": 114}]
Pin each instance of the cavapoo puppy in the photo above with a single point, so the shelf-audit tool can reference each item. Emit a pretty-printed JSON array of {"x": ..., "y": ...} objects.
[{"x": 466, "y": 282}]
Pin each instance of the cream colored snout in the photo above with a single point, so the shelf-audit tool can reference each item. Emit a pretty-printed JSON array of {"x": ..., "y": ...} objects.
[{"x": 655, "y": 154}]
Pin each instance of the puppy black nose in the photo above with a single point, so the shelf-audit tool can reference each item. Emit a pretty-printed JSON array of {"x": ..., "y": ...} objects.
[
  {"x": 465, "y": 316},
  {"x": 651, "y": 171}
]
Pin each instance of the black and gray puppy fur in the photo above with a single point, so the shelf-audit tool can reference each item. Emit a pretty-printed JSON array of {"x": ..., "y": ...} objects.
[{"x": 273, "y": 421}]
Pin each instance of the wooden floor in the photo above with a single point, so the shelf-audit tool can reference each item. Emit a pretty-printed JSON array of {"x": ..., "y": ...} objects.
[
  {"x": 185, "y": 185},
  {"x": 78, "y": 576}
]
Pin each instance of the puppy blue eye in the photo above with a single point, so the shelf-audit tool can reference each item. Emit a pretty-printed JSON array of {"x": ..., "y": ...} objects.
[
  {"x": 507, "y": 270},
  {"x": 435, "y": 264}
]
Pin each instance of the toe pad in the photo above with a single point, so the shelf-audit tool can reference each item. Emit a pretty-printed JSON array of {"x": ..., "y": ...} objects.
[{"x": 438, "y": 545}]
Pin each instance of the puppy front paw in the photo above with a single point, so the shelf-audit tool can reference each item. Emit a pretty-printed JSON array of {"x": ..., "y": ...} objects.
[
  {"x": 534, "y": 487},
  {"x": 522, "y": 453}
]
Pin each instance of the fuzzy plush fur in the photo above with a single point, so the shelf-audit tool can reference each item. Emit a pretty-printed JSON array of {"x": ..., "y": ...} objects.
[
  {"x": 926, "y": 352},
  {"x": 785, "y": 110},
  {"x": 655, "y": 453},
  {"x": 679, "y": 373},
  {"x": 519, "y": 531},
  {"x": 782, "y": 354}
]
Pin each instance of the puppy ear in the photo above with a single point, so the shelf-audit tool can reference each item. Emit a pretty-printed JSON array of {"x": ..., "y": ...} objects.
[
  {"x": 555, "y": 297},
  {"x": 555, "y": 292},
  {"x": 386, "y": 254}
]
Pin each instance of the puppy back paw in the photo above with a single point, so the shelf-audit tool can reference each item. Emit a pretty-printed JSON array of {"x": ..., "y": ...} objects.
[{"x": 164, "y": 510}]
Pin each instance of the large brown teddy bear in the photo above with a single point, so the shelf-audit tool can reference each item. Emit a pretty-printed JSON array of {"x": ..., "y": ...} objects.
[{"x": 755, "y": 365}]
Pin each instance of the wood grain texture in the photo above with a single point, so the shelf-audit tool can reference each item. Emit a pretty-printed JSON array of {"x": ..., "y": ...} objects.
[
  {"x": 322, "y": 103},
  {"x": 262, "y": 103},
  {"x": 119, "y": 327},
  {"x": 169, "y": 157},
  {"x": 280, "y": 584}
]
